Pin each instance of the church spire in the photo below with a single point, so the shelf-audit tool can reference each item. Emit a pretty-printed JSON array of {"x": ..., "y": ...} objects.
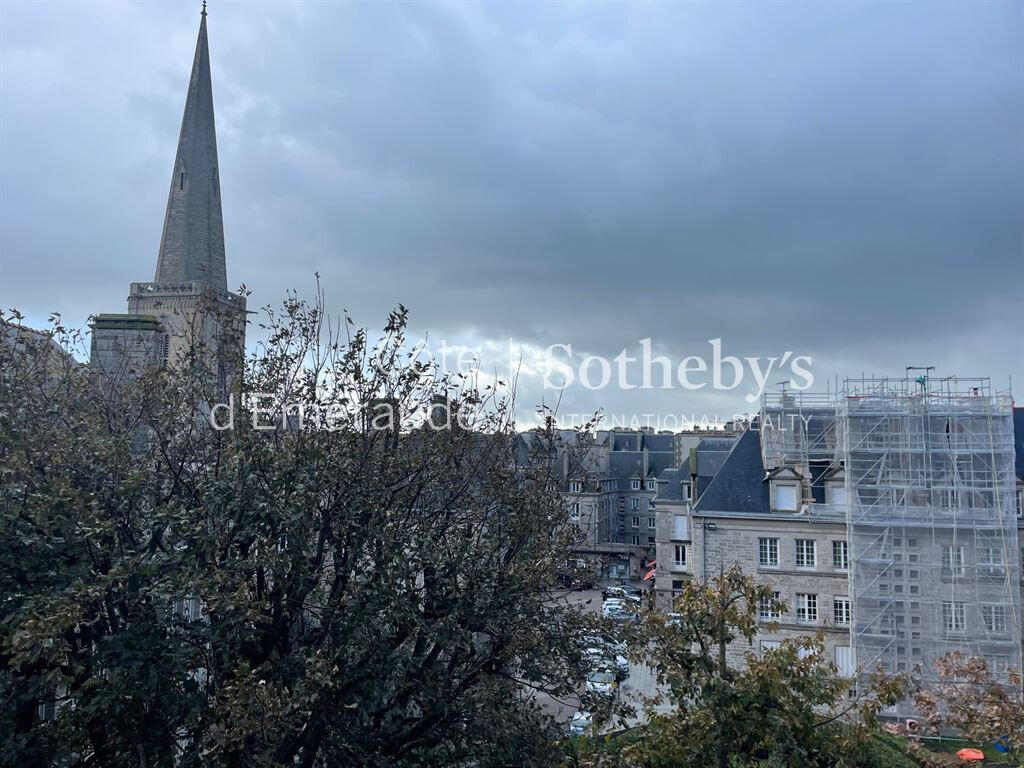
[{"x": 192, "y": 244}]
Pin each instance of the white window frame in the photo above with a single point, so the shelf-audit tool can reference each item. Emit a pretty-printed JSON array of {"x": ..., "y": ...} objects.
[
  {"x": 652, "y": 485},
  {"x": 953, "y": 616},
  {"x": 807, "y": 608},
  {"x": 764, "y": 610},
  {"x": 842, "y": 611},
  {"x": 806, "y": 551},
  {"x": 680, "y": 555},
  {"x": 650, "y": 523},
  {"x": 634, "y": 504},
  {"x": 635, "y": 541},
  {"x": 953, "y": 560},
  {"x": 841, "y": 548},
  {"x": 635, "y": 522},
  {"x": 635, "y": 485},
  {"x": 575, "y": 486},
  {"x": 768, "y": 552},
  {"x": 994, "y": 618}
]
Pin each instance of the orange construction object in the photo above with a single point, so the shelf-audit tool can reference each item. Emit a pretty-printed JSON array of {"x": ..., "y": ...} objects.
[{"x": 967, "y": 753}]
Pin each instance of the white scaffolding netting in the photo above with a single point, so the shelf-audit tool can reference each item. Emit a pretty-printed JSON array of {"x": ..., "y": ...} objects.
[{"x": 930, "y": 512}]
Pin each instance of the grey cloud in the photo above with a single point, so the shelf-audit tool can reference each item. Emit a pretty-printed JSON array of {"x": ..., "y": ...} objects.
[{"x": 845, "y": 180}]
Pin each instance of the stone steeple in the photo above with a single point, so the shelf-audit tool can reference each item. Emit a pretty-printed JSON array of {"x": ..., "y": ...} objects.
[
  {"x": 192, "y": 243},
  {"x": 187, "y": 312}
]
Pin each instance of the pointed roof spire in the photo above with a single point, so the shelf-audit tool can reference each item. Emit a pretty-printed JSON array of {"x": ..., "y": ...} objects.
[{"x": 192, "y": 244}]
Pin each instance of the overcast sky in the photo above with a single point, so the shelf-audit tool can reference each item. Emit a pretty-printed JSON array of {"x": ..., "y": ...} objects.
[{"x": 844, "y": 181}]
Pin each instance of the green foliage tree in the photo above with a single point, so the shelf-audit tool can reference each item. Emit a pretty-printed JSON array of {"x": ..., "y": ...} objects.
[
  {"x": 341, "y": 586},
  {"x": 970, "y": 699},
  {"x": 731, "y": 707}
]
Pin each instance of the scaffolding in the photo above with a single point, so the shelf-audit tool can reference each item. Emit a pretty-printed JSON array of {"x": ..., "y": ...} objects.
[{"x": 929, "y": 504}]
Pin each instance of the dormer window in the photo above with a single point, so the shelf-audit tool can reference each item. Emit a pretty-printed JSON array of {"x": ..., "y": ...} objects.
[
  {"x": 786, "y": 497},
  {"x": 575, "y": 486},
  {"x": 652, "y": 485},
  {"x": 785, "y": 490},
  {"x": 835, "y": 493},
  {"x": 635, "y": 484}
]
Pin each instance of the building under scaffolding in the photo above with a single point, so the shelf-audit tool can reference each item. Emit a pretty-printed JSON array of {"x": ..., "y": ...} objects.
[{"x": 928, "y": 471}]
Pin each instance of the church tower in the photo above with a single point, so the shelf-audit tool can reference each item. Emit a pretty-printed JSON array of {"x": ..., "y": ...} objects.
[{"x": 186, "y": 312}]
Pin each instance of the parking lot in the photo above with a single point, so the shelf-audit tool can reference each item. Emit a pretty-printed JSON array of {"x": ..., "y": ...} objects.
[{"x": 639, "y": 686}]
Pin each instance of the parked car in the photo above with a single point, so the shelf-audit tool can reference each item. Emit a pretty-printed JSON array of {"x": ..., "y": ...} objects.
[
  {"x": 574, "y": 581},
  {"x": 603, "y": 641},
  {"x": 603, "y": 658},
  {"x": 602, "y": 682},
  {"x": 580, "y": 722},
  {"x": 610, "y": 610},
  {"x": 622, "y": 593}
]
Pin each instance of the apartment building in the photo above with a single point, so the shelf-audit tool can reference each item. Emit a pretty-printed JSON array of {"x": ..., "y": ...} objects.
[{"x": 887, "y": 517}]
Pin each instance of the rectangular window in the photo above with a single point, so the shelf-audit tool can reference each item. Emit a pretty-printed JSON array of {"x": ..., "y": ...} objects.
[
  {"x": 635, "y": 485},
  {"x": 680, "y": 555},
  {"x": 769, "y": 645},
  {"x": 953, "y": 561},
  {"x": 836, "y": 494},
  {"x": 650, "y": 503},
  {"x": 785, "y": 498},
  {"x": 634, "y": 504},
  {"x": 768, "y": 552},
  {"x": 841, "y": 613},
  {"x": 953, "y": 616},
  {"x": 990, "y": 556},
  {"x": 1020, "y": 502},
  {"x": 688, "y": 493},
  {"x": 994, "y": 617},
  {"x": 844, "y": 660},
  {"x": 575, "y": 514},
  {"x": 652, "y": 485},
  {"x": 807, "y": 608},
  {"x": 841, "y": 555},
  {"x": 806, "y": 553},
  {"x": 650, "y": 522},
  {"x": 679, "y": 528},
  {"x": 636, "y": 522},
  {"x": 764, "y": 608},
  {"x": 575, "y": 486},
  {"x": 635, "y": 541}
]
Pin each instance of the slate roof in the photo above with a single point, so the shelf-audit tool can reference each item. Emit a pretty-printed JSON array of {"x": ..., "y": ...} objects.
[
  {"x": 739, "y": 486},
  {"x": 1018, "y": 439},
  {"x": 192, "y": 242},
  {"x": 670, "y": 484}
]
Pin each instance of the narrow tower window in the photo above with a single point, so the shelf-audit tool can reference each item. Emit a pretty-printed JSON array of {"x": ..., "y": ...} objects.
[{"x": 181, "y": 183}]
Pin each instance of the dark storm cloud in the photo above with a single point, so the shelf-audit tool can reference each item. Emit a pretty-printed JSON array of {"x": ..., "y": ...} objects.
[{"x": 845, "y": 181}]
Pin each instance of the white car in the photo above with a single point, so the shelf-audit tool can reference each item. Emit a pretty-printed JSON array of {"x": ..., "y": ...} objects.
[
  {"x": 610, "y": 610},
  {"x": 581, "y": 721},
  {"x": 602, "y": 682},
  {"x": 600, "y": 641},
  {"x": 606, "y": 658}
]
